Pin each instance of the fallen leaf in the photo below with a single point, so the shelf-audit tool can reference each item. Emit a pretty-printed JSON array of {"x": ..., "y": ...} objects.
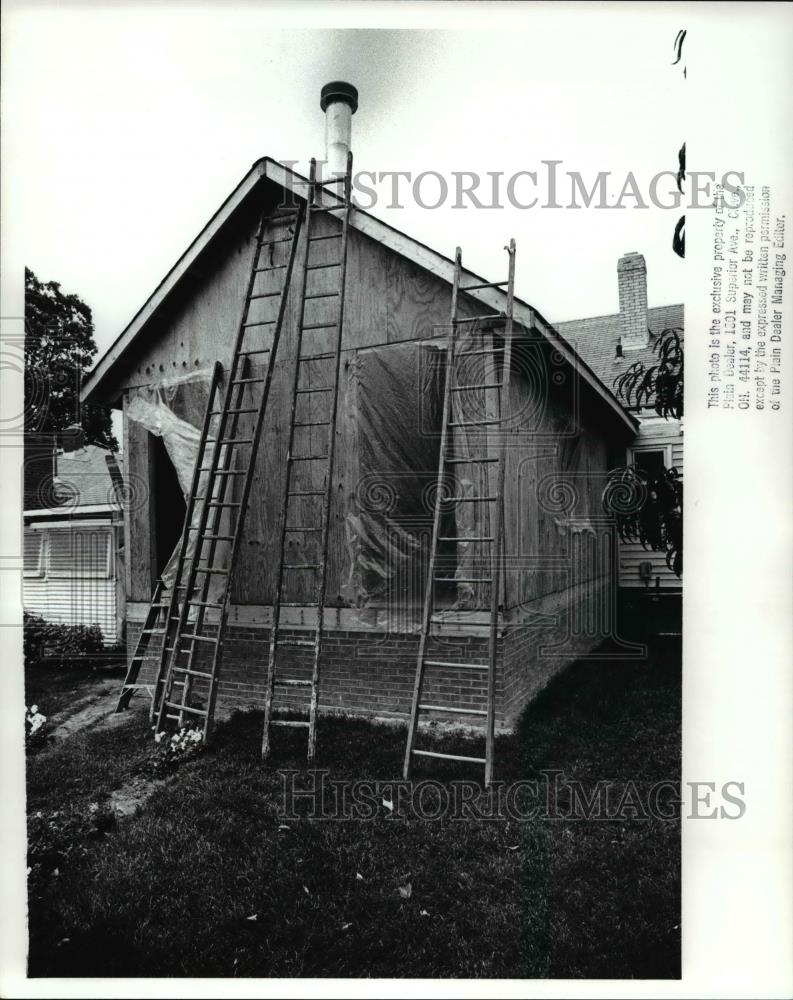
[
  {"x": 305, "y": 890},
  {"x": 406, "y": 891},
  {"x": 55, "y": 871},
  {"x": 512, "y": 847},
  {"x": 423, "y": 913},
  {"x": 346, "y": 927},
  {"x": 389, "y": 805},
  {"x": 253, "y": 916},
  {"x": 283, "y": 826},
  {"x": 358, "y": 876}
]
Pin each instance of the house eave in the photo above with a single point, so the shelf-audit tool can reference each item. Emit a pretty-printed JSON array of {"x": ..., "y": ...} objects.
[{"x": 97, "y": 389}]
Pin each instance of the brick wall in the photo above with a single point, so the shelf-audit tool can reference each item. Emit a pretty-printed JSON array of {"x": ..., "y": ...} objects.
[{"x": 372, "y": 673}]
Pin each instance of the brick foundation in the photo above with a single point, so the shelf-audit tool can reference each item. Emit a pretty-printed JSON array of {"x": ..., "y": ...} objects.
[{"x": 371, "y": 672}]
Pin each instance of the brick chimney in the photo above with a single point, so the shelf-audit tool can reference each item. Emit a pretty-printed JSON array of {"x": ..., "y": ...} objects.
[{"x": 632, "y": 279}]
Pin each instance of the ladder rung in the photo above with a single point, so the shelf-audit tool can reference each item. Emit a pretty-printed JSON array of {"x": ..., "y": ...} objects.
[
  {"x": 269, "y": 243},
  {"x": 460, "y": 538},
  {"x": 236, "y": 441},
  {"x": 293, "y": 683},
  {"x": 486, "y": 284},
  {"x": 468, "y": 354},
  {"x": 473, "y": 423},
  {"x": 320, "y": 267},
  {"x": 448, "y": 756},
  {"x": 467, "y": 499},
  {"x": 279, "y": 220},
  {"x": 289, "y": 722},
  {"x": 306, "y": 493},
  {"x": 463, "y": 579},
  {"x": 314, "y": 423},
  {"x": 479, "y": 319},
  {"x": 210, "y": 569},
  {"x": 321, "y": 295},
  {"x": 319, "y": 326},
  {"x": 186, "y": 708},
  {"x": 303, "y": 643},
  {"x": 329, "y": 236},
  {"x": 201, "y": 638},
  {"x": 456, "y": 711},
  {"x": 320, "y": 388},
  {"x": 317, "y": 357},
  {"x": 306, "y": 458},
  {"x": 259, "y": 322},
  {"x": 468, "y": 461},
  {"x": 223, "y": 472},
  {"x": 217, "y": 413},
  {"x": 265, "y": 295},
  {"x": 457, "y": 666},
  {"x": 462, "y": 388},
  {"x": 192, "y": 673},
  {"x": 246, "y": 381},
  {"x": 298, "y": 527},
  {"x": 270, "y": 267},
  {"x": 326, "y": 208},
  {"x": 152, "y": 631},
  {"x": 302, "y": 565},
  {"x": 223, "y": 503},
  {"x": 205, "y": 604}
]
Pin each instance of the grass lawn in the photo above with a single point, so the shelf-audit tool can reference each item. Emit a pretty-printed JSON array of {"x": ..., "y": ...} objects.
[
  {"x": 56, "y": 689},
  {"x": 209, "y": 879}
]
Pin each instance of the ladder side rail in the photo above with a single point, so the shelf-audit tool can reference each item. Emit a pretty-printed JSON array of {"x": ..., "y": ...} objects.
[
  {"x": 436, "y": 519},
  {"x": 216, "y": 493},
  {"x": 210, "y": 482},
  {"x": 138, "y": 655},
  {"x": 326, "y": 500},
  {"x": 249, "y": 474},
  {"x": 173, "y": 599},
  {"x": 279, "y": 583},
  {"x": 498, "y": 525}
]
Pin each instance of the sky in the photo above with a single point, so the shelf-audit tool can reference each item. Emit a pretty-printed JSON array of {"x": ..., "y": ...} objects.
[{"x": 125, "y": 126}]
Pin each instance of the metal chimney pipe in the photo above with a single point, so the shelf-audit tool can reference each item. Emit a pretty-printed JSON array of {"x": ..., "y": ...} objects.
[{"x": 339, "y": 101}]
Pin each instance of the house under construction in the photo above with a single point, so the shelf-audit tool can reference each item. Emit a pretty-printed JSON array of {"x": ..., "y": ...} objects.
[{"x": 332, "y": 429}]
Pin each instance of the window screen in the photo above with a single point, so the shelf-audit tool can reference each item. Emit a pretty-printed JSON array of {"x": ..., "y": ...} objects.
[
  {"x": 33, "y": 549},
  {"x": 82, "y": 552}
]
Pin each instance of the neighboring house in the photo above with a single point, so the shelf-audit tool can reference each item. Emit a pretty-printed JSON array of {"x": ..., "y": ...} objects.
[
  {"x": 397, "y": 309},
  {"x": 73, "y": 536},
  {"x": 610, "y": 345}
]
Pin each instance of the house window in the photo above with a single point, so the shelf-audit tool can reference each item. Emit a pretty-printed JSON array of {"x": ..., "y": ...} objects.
[
  {"x": 33, "y": 565},
  {"x": 652, "y": 461},
  {"x": 80, "y": 552}
]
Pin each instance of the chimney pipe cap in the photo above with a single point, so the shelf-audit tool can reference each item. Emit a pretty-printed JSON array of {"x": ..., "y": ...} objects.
[{"x": 338, "y": 90}]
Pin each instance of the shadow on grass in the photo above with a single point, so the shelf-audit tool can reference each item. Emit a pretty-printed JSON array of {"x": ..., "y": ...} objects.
[{"x": 212, "y": 879}]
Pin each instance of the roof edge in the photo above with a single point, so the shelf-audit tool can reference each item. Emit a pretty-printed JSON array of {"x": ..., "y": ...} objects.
[{"x": 422, "y": 255}]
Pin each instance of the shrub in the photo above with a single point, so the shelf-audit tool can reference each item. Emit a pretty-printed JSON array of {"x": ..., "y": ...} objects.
[
  {"x": 67, "y": 645},
  {"x": 176, "y": 748}
]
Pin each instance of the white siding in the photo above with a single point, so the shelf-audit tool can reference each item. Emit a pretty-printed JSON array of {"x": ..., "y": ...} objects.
[
  {"x": 74, "y": 581},
  {"x": 654, "y": 432}
]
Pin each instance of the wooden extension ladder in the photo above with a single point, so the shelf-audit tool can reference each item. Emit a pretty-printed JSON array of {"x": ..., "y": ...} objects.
[
  {"x": 158, "y": 627},
  {"x": 154, "y": 626},
  {"x": 479, "y": 344},
  {"x": 186, "y": 686},
  {"x": 310, "y": 462}
]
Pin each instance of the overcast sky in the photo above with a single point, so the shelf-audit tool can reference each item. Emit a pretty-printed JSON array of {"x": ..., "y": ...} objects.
[{"x": 126, "y": 125}]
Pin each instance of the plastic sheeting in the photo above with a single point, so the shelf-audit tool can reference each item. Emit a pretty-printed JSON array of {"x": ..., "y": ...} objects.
[
  {"x": 173, "y": 410},
  {"x": 393, "y": 414}
]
